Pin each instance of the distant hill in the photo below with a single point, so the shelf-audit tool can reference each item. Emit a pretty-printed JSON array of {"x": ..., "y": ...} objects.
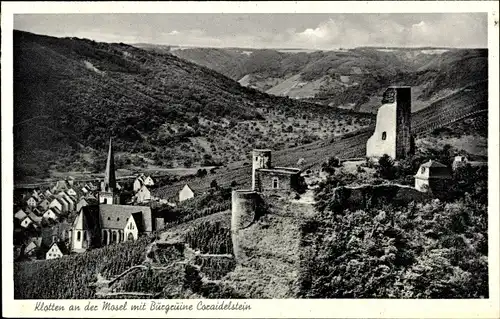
[
  {"x": 352, "y": 78},
  {"x": 71, "y": 94}
]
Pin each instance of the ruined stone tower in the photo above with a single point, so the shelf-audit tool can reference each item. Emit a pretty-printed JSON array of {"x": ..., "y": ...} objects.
[
  {"x": 244, "y": 211},
  {"x": 260, "y": 159},
  {"x": 392, "y": 134}
]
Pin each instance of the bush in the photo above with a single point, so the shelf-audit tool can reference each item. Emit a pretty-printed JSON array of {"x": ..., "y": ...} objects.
[
  {"x": 213, "y": 184},
  {"x": 330, "y": 165},
  {"x": 385, "y": 168}
]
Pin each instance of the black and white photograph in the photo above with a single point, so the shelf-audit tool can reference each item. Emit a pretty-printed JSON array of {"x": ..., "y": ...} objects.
[{"x": 242, "y": 156}]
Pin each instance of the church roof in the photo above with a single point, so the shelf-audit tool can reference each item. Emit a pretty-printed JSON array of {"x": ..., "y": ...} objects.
[
  {"x": 138, "y": 219},
  {"x": 116, "y": 216},
  {"x": 90, "y": 217}
]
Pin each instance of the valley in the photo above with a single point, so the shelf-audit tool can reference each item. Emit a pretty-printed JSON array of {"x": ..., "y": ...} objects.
[
  {"x": 351, "y": 78},
  {"x": 189, "y": 211}
]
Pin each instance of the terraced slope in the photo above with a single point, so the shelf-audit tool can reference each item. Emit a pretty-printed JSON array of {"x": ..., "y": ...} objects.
[{"x": 454, "y": 107}]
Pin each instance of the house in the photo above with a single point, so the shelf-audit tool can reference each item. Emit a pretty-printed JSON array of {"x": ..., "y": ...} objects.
[
  {"x": 37, "y": 212},
  {"x": 186, "y": 193},
  {"x": 138, "y": 182},
  {"x": 100, "y": 225},
  {"x": 71, "y": 192},
  {"x": 85, "y": 202},
  {"x": 36, "y": 219},
  {"x": 91, "y": 197},
  {"x": 20, "y": 214},
  {"x": 432, "y": 176},
  {"x": 149, "y": 181},
  {"x": 36, "y": 195},
  {"x": 64, "y": 203},
  {"x": 31, "y": 202},
  {"x": 85, "y": 190},
  {"x": 34, "y": 244},
  {"x": 60, "y": 186},
  {"x": 51, "y": 213},
  {"x": 26, "y": 222},
  {"x": 69, "y": 200},
  {"x": 56, "y": 203},
  {"x": 47, "y": 193},
  {"x": 56, "y": 250},
  {"x": 143, "y": 195},
  {"x": 44, "y": 204},
  {"x": 78, "y": 193},
  {"x": 70, "y": 180},
  {"x": 91, "y": 186}
]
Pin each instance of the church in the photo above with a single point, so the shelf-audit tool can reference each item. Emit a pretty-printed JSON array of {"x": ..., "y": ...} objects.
[{"x": 108, "y": 222}]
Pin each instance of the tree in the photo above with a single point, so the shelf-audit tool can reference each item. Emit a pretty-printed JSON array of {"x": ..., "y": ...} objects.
[
  {"x": 234, "y": 184},
  {"x": 213, "y": 184},
  {"x": 201, "y": 172},
  {"x": 330, "y": 165},
  {"x": 385, "y": 167}
]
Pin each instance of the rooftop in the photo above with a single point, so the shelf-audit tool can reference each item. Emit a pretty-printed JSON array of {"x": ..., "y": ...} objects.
[
  {"x": 262, "y": 150},
  {"x": 432, "y": 163},
  {"x": 282, "y": 170}
]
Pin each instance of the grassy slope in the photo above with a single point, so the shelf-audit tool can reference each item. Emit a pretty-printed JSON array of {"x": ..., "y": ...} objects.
[
  {"x": 349, "y": 146},
  {"x": 72, "y": 94}
]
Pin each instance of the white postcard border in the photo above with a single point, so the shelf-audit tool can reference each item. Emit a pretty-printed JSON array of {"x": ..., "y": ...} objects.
[{"x": 320, "y": 308}]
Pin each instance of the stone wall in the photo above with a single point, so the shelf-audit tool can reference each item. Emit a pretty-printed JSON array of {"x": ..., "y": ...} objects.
[
  {"x": 367, "y": 196},
  {"x": 245, "y": 205},
  {"x": 404, "y": 143},
  {"x": 286, "y": 181}
]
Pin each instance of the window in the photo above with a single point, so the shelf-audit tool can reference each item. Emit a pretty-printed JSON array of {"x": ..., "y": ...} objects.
[
  {"x": 422, "y": 170},
  {"x": 275, "y": 183},
  {"x": 109, "y": 218},
  {"x": 78, "y": 235},
  {"x": 384, "y": 136},
  {"x": 117, "y": 218},
  {"x": 84, "y": 235}
]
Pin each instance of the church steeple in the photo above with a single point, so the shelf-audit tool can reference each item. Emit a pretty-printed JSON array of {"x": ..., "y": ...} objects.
[{"x": 109, "y": 177}]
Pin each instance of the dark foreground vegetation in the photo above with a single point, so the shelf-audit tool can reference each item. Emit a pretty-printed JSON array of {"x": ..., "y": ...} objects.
[{"x": 431, "y": 249}]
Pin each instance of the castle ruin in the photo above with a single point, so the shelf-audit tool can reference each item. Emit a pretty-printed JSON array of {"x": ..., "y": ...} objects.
[
  {"x": 268, "y": 178},
  {"x": 248, "y": 205},
  {"x": 244, "y": 211},
  {"x": 392, "y": 134}
]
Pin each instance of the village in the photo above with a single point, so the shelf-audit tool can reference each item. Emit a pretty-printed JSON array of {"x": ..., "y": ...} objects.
[
  {"x": 72, "y": 216},
  {"x": 45, "y": 219}
]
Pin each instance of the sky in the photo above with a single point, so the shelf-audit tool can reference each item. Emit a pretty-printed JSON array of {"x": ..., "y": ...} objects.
[{"x": 286, "y": 30}]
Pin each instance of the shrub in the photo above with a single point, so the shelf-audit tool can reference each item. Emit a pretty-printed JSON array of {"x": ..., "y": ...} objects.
[{"x": 385, "y": 168}]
